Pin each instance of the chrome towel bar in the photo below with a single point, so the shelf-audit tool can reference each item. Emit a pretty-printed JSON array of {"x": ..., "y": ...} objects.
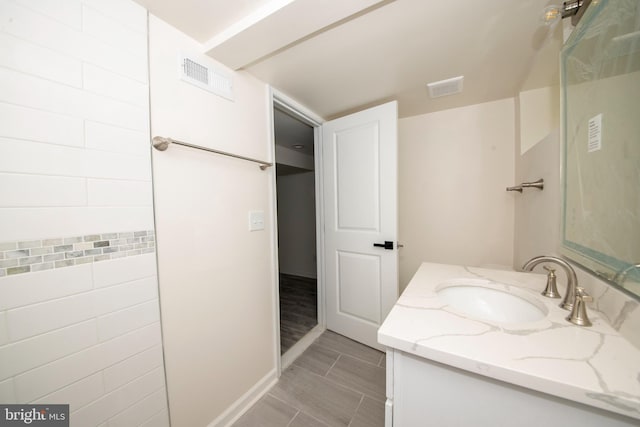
[
  {"x": 539, "y": 184},
  {"x": 161, "y": 143}
]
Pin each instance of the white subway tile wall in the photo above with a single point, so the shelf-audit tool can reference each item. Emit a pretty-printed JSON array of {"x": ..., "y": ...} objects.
[
  {"x": 4, "y": 334},
  {"x": 79, "y": 310},
  {"x": 7, "y": 394},
  {"x": 78, "y": 394},
  {"x": 139, "y": 412}
]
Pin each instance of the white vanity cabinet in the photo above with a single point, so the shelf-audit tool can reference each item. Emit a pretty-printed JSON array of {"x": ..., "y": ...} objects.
[
  {"x": 421, "y": 393},
  {"x": 447, "y": 368}
]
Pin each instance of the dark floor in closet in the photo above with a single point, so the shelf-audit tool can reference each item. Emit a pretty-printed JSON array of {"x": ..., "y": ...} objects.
[{"x": 298, "y": 308}]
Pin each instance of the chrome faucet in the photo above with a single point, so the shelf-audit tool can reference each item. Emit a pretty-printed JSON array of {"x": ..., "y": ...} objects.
[
  {"x": 572, "y": 280},
  {"x": 578, "y": 314}
]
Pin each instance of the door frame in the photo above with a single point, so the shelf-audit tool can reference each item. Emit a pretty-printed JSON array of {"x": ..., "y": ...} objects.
[{"x": 309, "y": 117}]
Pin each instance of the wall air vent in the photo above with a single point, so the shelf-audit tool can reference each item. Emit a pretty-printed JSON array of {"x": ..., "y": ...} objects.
[
  {"x": 207, "y": 78},
  {"x": 445, "y": 87}
]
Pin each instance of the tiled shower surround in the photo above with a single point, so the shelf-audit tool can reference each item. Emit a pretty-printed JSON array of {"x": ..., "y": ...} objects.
[
  {"x": 38, "y": 255},
  {"x": 79, "y": 303}
]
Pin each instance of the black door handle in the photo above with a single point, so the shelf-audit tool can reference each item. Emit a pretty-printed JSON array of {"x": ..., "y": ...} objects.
[{"x": 387, "y": 245}]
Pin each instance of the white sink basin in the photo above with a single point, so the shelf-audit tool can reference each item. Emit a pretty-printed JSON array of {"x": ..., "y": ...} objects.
[{"x": 485, "y": 303}]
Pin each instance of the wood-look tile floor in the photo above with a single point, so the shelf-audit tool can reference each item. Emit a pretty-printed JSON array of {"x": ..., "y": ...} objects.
[
  {"x": 336, "y": 382},
  {"x": 298, "y": 309}
]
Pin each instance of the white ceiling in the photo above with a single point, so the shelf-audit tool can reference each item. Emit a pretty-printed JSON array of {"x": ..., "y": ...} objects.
[{"x": 378, "y": 50}]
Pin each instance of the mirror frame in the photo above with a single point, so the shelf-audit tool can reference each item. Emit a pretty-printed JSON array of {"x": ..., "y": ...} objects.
[{"x": 604, "y": 266}]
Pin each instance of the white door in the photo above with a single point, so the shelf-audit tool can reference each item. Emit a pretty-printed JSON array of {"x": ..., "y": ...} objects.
[{"x": 360, "y": 186}]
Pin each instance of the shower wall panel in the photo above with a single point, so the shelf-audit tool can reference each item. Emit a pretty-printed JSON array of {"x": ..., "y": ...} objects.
[{"x": 79, "y": 311}]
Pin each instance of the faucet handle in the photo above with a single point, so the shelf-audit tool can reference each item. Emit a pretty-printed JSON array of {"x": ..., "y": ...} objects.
[
  {"x": 583, "y": 295},
  {"x": 551, "y": 290},
  {"x": 572, "y": 279},
  {"x": 578, "y": 314}
]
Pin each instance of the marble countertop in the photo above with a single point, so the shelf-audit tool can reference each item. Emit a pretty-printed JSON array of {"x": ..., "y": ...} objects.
[{"x": 592, "y": 365}]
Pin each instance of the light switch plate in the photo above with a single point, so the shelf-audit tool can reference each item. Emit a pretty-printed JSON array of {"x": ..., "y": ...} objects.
[{"x": 256, "y": 220}]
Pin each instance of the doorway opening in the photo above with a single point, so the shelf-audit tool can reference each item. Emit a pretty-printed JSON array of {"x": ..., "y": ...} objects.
[{"x": 296, "y": 213}]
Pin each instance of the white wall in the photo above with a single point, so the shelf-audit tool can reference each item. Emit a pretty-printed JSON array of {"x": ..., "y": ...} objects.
[
  {"x": 454, "y": 168},
  {"x": 79, "y": 317},
  {"x": 537, "y": 213},
  {"x": 297, "y": 224},
  {"x": 216, "y": 277},
  {"x": 539, "y": 115}
]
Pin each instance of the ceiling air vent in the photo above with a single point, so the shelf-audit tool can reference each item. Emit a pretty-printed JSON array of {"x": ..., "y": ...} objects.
[
  {"x": 445, "y": 87},
  {"x": 208, "y": 78}
]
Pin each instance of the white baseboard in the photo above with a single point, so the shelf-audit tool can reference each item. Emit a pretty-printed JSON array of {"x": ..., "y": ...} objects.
[
  {"x": 298, "y": 348},
  {"x": 240, "y": 406}
]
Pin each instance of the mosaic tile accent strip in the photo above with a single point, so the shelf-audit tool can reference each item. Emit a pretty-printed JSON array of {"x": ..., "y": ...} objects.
[{"x": 38, "y": 255}]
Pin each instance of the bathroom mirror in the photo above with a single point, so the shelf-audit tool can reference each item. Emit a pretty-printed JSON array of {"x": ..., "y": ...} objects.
[{"x": 600, "y": 66}]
